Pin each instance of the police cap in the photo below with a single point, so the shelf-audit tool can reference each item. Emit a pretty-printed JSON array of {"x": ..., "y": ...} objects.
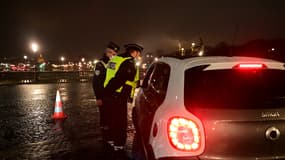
[
  {"x": 134, "y": 47},
  {"x": 113, "y": 46}
]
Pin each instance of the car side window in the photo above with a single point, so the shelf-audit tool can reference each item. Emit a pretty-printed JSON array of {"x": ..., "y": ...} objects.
[
  {"x": 147, "y": 76},
  {"x": 159, "y": 79},
  {"x": 158, "y": 83}
]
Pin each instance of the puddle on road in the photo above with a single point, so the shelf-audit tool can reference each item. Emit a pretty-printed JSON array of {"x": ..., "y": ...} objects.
[{"x": 32, "y": 135}]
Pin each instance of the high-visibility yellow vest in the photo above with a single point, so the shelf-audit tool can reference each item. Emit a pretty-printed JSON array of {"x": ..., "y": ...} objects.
[{"x": 113, "y": 67}]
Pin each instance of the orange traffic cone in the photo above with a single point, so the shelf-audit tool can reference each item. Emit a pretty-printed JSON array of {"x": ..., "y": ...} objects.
[{"x": 58, "y": 110}]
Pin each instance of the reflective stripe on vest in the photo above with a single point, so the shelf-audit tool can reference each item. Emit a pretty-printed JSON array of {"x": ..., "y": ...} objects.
[
  {"x": 113, "y": 67},
  {"x": 135, "y": 82},
  {"x": 97, "y": 71},
  {"x": 104, "y": 64}
]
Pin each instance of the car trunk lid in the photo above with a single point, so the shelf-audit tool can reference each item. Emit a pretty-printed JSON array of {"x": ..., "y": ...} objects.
[{"x": 243, "y": 133}]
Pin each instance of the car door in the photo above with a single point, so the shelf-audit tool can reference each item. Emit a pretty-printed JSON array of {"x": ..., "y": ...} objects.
[{"x": 152, "y": 95}]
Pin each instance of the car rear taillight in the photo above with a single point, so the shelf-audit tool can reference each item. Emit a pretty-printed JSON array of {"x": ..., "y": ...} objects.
[
  {"x": 184, "y": 134},
  {"x": 250, "y": 66}
]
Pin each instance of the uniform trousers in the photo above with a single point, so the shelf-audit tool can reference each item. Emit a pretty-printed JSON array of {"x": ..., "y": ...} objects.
[{"x": 117, "y": 118}]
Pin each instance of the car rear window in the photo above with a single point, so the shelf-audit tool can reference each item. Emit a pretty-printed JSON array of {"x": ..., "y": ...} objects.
[{"x": 234, "y": 88}]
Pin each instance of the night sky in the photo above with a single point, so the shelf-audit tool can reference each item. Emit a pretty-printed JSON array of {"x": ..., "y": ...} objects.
[{"x": 82, "y": 28}]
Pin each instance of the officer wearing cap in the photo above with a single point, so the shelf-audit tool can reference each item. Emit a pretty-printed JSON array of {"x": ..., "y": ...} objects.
[
  {"x": 121, "y": 80},
  {"x": 98, "y": 84}
]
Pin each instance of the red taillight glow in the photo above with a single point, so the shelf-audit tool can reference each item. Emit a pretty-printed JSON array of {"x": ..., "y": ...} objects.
[
  {"x": 250, "y": 66},
  {"x": 184, "y": 134}
]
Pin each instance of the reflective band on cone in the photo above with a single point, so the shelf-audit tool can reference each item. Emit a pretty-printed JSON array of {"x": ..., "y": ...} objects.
[{"x": 58, "y": 110}]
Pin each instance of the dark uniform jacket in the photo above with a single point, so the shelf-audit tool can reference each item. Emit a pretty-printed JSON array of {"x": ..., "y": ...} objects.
[
  {"x": 127, "y": 71},
  {"x": 99, "y": 77}
]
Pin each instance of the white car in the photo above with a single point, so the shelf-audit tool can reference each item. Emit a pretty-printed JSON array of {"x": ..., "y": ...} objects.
[{"x": 211, "y": 108}]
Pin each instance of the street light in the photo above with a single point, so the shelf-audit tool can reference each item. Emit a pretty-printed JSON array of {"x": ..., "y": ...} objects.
[
  {"x": 182, "y": 51},
  {"x": 35, "y": 47},
  {"x": 25, "y": 58},
  {"x": 62, "y": 59},
  {"x": 82, "y": 59}
]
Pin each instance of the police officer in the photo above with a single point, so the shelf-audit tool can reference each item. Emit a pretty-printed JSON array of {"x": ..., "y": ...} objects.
[
  {"x": 98, "y": 84},
  {"x": 121, "y": 80}
]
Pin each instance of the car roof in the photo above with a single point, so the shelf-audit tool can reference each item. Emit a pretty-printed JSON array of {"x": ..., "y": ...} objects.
[{"x": 220, "y": 62}]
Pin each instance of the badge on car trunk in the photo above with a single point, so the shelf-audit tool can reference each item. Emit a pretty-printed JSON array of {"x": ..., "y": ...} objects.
[
  {"x": 270, "y": 114},
  {"x": 272, "y": 133}
]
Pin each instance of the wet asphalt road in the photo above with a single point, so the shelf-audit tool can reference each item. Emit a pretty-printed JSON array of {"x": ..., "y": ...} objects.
[{"x": 28, "y": 132}]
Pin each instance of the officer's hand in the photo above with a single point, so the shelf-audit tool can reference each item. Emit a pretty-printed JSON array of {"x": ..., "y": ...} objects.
[{"x": 99, "y": 102}]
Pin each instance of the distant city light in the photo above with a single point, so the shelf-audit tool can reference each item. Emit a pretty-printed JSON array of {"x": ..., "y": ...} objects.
[
  {"x": 156, "y": 59},
  {"x": 95, "y": 61},
  {"x": 144, "y": 66},
  {"x": 200, "y": 53},
  {"x": 193, "y": 44},
  {"x": 42, "y": 65},
  {"x": 138, "y": 63},
  {"x": 272, "y": 49},
  {"x": 82, "y": 59},
  {"x": 25, "y": 57},
  {"x": 35, "y": 47}
]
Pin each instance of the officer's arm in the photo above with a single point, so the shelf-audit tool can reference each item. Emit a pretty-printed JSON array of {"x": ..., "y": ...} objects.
[
  {"x": 98, "y": 80},
  {"x": 126, "y": 72}
]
